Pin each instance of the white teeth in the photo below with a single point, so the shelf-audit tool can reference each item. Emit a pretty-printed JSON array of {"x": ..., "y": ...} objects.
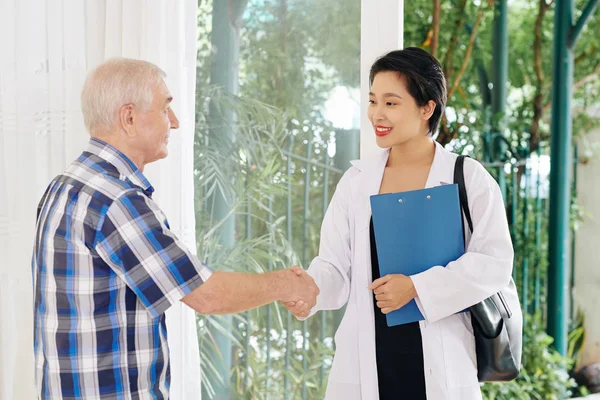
[{"x": 383, "y": 129}]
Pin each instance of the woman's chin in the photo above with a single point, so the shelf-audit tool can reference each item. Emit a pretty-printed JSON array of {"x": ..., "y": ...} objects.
[{"x": 385, "y": 141}]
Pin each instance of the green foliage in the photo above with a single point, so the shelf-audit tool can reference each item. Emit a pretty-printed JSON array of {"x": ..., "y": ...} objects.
[
  {"x": 264, "y": 379},
  {"x": 469, "y": 100},
  {"x": 543, "y": 375},
  {"x": 576, "y": 336},
  {"x": 252, "y": 150}
]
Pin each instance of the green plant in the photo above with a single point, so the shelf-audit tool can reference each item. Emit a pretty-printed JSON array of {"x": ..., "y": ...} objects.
[
  {"x": 544, "y": 373},
  {"x": 262, "y": 378},
  {"x": 576, "y": 340}
]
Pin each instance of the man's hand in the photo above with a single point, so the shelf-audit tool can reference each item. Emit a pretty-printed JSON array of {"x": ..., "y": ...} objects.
[
  {"x": 393, "y": 291},
  {"x": 301, "y": 308}
]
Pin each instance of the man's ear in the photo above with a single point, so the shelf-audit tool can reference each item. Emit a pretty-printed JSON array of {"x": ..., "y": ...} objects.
[
  {"x": 126, "y": 119},
  {"x": 428, "y": 109}
]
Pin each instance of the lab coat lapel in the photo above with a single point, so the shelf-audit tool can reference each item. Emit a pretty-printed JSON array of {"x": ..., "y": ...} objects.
[
  {"x": 441, "y": 170},
  {"x": 364, "y": 185}
]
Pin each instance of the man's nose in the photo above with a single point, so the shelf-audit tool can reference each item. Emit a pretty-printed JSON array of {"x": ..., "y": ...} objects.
[{"x": 173, "y": 119}]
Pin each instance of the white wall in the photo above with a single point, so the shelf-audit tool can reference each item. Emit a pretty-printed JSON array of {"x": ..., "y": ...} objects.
[
  {"x": 587, "y": 262},
  {"x": 382, "y": 30}
]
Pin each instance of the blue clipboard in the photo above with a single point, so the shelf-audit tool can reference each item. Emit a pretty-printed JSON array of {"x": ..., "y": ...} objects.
[{"x": 415, "y": 231}]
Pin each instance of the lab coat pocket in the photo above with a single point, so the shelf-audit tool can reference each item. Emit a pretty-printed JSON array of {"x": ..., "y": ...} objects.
[
  {"x": 345, "y": 391},
  {"x": 345, "y": 362},
  {"x": 460, "y": 358}
]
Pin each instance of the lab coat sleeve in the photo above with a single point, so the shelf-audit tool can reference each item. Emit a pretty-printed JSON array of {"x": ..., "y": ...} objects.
[
  {"x": 331, "y": 268},
  {"x": 486, "y": 266}
]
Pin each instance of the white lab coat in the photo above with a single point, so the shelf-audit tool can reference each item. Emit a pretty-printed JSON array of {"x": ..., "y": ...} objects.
[{"x": 342, "y": 270}]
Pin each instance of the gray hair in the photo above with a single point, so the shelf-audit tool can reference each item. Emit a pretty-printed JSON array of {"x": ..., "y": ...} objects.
[{"x": 113, "y": 84}]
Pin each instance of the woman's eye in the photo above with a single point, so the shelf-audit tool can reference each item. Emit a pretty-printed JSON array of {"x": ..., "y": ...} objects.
[
  {"x": 389, "y": 103},
  {"x": 371, "y": 101}
]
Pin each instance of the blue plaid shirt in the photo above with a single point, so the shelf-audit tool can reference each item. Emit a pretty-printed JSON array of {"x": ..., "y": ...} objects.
[{"x": 105, "y": 268}]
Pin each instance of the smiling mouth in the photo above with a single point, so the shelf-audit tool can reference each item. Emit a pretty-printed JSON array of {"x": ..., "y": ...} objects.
[{"x": 382, "y": 130}]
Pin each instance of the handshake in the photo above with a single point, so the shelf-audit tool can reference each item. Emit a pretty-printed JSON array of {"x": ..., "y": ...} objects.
[{"x": 302, "y": 294}]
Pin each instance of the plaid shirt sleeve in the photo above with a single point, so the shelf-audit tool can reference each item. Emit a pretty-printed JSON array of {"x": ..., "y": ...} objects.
[{"x": 136, "y": 242}]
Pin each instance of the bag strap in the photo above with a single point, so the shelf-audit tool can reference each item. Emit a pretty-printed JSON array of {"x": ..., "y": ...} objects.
[{"x": 459, "y": 179}]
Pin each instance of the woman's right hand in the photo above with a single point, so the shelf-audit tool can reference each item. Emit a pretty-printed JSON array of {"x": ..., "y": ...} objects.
[{"x": 299, "y": 309}]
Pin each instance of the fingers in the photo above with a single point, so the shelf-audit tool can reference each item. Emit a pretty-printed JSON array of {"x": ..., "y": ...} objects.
[
  {"x": 299, "y": 309},
  {"x": 390, "y": 308},
  {"x": 297, "y": 270},
  {"x": 303, "y": 311},
  {"x": 303, "y": 292},
  {"x": 378, "y": 282},
  {"x": 384, "y": 304},
  {"x": 381, "y": 296}
]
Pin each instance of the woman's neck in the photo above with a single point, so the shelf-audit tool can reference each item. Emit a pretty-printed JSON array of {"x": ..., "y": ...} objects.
[{"x": 416, "y": 151}]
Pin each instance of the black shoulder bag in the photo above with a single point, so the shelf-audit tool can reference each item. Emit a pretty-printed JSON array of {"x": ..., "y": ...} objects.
[{"x": 497, "y": 321}]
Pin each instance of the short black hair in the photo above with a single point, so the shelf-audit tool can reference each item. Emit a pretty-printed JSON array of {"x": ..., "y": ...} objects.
[{"x": 425, "y": 78}]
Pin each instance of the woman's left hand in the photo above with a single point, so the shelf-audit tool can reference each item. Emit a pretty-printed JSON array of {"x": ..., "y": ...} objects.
[{"x": 393, "y": 291}]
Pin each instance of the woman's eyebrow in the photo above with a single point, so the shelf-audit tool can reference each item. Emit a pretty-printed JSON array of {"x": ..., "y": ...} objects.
[{"x": 389, "y": 94}]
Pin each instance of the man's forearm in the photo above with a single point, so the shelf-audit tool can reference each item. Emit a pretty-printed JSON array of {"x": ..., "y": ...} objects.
[{"x": 233, "y": 292}]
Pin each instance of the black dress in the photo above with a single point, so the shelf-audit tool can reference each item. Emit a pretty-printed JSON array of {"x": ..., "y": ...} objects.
[{"x": 398, "y": 350}]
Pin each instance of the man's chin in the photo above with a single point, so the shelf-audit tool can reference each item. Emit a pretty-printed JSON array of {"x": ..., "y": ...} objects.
[{"x": 160, "y": 155}]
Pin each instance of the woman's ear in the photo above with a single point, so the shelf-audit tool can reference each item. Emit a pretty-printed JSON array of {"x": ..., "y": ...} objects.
[{"x": 428, "y": 109}]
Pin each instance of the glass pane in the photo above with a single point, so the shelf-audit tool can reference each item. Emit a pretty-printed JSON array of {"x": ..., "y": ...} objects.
[{"x": 277, "y": 124}]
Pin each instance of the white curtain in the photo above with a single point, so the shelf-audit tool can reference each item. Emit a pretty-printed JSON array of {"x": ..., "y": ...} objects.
[{"x": 46, "y": 49}]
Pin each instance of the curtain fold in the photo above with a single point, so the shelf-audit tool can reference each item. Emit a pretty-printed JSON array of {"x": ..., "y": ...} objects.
[{"x": 47, "y": 49}]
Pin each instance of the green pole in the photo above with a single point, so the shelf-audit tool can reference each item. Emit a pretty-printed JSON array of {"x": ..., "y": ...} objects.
[
  {"x": 325, "y": 204},
  {"x": 289, "y": 323},
  {"x": 499, "y": 79},
  {"x": 226, "y": 21},
  {"x": 538, "y": 238},
  {"x": 587, "y": 12},
  {"x": 500, "y": 58},
  {"x": 513, "y": 215},
  {"x": 268, "y": 328},
  {"x": 560, "y": 164},
  {"x": 525, "y": 241}
]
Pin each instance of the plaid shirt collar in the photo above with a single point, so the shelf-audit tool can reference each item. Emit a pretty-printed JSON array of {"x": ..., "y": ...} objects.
[{"x": 124, "y": 165}]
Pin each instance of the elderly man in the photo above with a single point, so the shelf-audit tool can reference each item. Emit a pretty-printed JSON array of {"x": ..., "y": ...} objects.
[{"x": 106, "y": 266}]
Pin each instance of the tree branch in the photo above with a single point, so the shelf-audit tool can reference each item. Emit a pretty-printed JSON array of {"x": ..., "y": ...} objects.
[
  {"x": 449, "y": 56},
  {"x": 437, "y": 8},
  {"x": 469, "y": 49},
  {"x": 588, "y": 78},
  {"x": 538, "y": 106},
  {"x": 445, "y": 134}
]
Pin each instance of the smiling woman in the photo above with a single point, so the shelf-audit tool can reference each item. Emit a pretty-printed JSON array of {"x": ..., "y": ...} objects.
[
  {"x": 410, "y": 88},
  {"x": 432, "y": 359}
]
